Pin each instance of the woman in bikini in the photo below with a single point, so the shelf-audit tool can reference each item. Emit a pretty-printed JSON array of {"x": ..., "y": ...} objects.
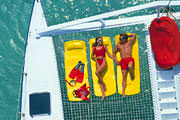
[{"x": 99, "y": 51}]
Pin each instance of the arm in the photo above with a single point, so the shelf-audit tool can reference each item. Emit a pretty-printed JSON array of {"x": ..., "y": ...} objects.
[
  {"x": 114, "y": 54},
  {"x": 108, "y": 52},
  {"x": 133, "y": 38}
]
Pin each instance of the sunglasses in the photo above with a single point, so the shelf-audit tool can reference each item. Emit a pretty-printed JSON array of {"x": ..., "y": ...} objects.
[
  {"x": 100, "y": 40},
  {"x": 120, "y": 39}
]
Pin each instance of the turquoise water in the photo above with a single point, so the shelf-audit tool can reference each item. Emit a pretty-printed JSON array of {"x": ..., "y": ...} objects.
[
  {"x": 14, "y": 22},
  {"x": 14, "y": 19}
]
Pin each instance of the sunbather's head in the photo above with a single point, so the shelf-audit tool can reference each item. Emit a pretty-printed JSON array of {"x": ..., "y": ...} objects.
[
  {"x": 98, "y": 41},
  {"x": 123, "y": 38}
]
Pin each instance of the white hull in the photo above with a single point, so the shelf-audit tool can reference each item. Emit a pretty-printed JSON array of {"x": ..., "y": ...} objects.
[{"x": 41, "y": 69}]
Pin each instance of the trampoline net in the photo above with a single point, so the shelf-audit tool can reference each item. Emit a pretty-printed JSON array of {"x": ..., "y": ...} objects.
[{"x": 135, "y": 107}]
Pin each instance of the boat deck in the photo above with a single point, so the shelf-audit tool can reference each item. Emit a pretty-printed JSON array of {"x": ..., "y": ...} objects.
[{"x": 138, "y": 106}]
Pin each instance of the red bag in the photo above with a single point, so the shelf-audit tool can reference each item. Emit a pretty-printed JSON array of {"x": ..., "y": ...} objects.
[
  {"x": 82, "y": 92},
  {"x": 165, "y": 41}
]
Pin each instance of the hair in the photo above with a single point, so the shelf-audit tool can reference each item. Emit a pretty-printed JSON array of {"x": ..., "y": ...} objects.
[
  {"x": 96, "y": 43},
  {"x": 124, "y": 35}
]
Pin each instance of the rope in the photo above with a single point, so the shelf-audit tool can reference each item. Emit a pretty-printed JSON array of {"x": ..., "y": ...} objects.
[
  {"x": 169, "y": 3},
  {"x": 169, "y": 13},
  {"x": 174, "y": 18},
  {"x": 167, "y": 10},
  {"x": 24, "y": 75},
  {"x": 19, "y": 95},
  {"x": 23, "y": 79}
]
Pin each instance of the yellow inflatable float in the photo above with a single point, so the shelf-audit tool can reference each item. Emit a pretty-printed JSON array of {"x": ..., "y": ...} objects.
[
  {"x": 109, "y": 77},
  {"x": 75, "y": 51},
  {"x": 133, "y": 86}
]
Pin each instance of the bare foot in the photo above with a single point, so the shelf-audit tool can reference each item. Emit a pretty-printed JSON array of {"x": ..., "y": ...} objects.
[
  {"x": 103, "y": 97},
  {"x": 123, "y": 96}
]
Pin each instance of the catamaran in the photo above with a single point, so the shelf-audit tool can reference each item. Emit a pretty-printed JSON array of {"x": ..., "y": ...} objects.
[{"x": 42, "y": 91}]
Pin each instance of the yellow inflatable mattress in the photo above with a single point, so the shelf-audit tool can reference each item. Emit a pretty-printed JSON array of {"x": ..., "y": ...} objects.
[
  {"x": 75, "y": 51},
  {"x": 133, "y": 87},
  {"x": 109, "y": 77}
]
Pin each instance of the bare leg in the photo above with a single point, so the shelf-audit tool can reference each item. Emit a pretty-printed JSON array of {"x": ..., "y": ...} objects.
[
  {"x": 103, "y": 92},
  {"x": 131, "y": 70},
  {"x": 99, "y": 69},
  {"x": 124, "y": 73},
  {"x": 103, "y": 84}
]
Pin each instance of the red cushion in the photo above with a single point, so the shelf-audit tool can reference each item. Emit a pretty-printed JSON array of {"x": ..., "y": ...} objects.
[{"x": 165, "y": 41}]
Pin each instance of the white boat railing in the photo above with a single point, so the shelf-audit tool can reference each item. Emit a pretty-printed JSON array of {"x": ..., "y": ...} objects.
[{"x": 62, "y": 28}]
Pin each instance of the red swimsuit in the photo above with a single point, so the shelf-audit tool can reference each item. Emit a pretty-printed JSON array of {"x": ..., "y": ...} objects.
[
  {"x": 125, "y": 61},
  {"x": 98, "y": 53}
]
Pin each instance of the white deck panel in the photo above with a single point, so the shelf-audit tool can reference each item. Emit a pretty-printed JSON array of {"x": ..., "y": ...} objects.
[{"x": 41, "y": 69}]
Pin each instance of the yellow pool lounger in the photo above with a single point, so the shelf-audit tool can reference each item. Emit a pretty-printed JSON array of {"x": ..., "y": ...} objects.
[
  {"x": 75, "y": 51},
  {"x": 109, "y": 77},
  {"x": 133, "y": 86}
]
